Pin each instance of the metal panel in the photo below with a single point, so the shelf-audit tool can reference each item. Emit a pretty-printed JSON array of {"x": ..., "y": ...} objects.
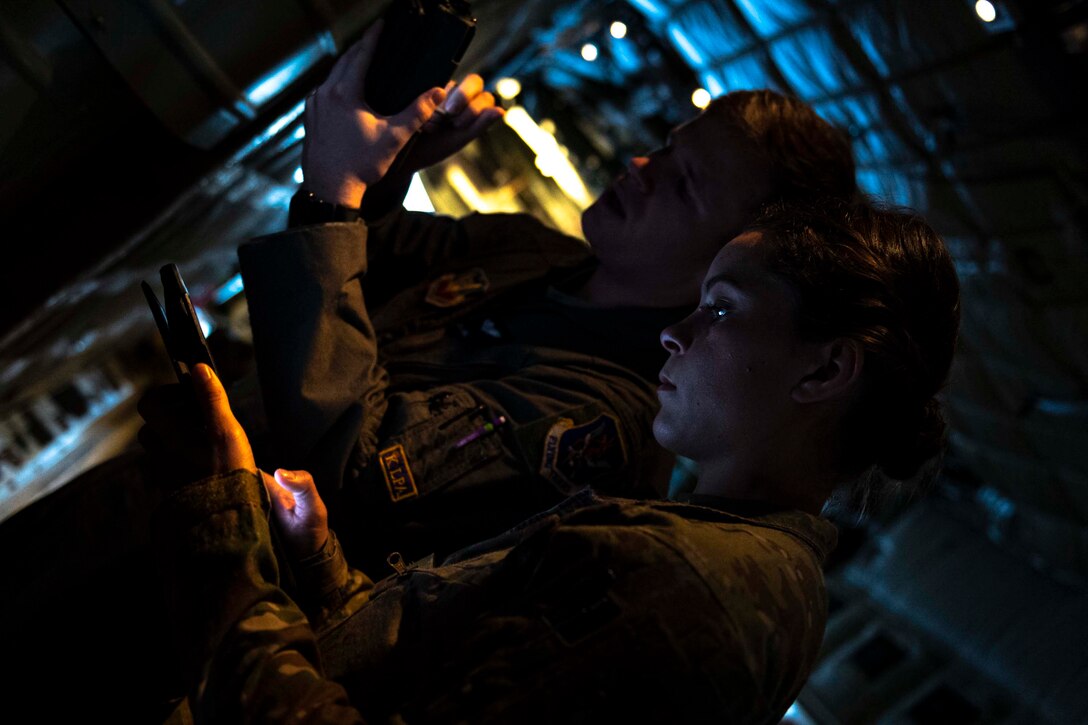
[{"x": 205, "y": 67}]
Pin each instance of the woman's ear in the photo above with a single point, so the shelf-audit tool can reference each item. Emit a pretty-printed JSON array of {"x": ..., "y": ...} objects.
[{"x": 836, "y": 375}]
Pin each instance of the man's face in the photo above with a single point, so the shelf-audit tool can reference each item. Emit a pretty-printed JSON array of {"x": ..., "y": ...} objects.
[
  {"x": 672, "y": 211},
  {"x": 726, "y": 389}
]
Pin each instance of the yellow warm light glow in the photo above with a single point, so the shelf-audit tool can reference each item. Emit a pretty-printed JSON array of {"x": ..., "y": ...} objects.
[
  {"x": 550, "y": 158},
  {"x": 589, "y": 52},
  {"x": 464, "y": 187},
  {"x": 508, "y": 88},
  {"x": 986, "y": 11},
  {"x": 501, "y": 200},
  {"x": 700, "y": 98},
  {"x": 618, "y": 29}
]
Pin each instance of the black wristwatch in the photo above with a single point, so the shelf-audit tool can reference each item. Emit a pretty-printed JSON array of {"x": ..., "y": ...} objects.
[{"x": 308, "y": 208}]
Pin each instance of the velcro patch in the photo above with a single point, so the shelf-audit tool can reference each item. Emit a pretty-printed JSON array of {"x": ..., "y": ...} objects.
[
  {"x": 397, "y": 473},
  {"x": 451, "y": 290},
  {"x": 575, "y": 455}
]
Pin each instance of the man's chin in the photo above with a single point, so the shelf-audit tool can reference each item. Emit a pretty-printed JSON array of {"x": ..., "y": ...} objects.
[
  {"x": 602, "y": 225},
  {"x": 606, "y": 205}
]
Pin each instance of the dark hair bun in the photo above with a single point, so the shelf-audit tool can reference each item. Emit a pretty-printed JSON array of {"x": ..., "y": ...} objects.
[
  {"x": 908, "y": 447},
  {"x": 907, "y": 459}
]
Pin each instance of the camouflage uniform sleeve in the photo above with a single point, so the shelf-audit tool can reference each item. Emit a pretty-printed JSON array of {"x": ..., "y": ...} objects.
[
  {"x": 406, "y": 248},
  {"x": 326, "y": 583},
  {"x": 317, "y": 355},
  {"x": 409, "y": 241},
  {"x": 252, "y": 650},
  {"x": 309, "y": 292},
  {"x": 322, "y": 386},
  {"x": 608, "y": 615},
  {"x": 418, "y": 240},
  {"x": 632, "y": 616}
]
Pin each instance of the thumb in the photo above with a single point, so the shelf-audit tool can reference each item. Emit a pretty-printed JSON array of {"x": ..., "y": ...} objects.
[
  {"x": 229, "y": 445},
  {"x": 212, "y": 398},
  {"x": 301, "y": 486},
  {"x": 411, "y": 119}
]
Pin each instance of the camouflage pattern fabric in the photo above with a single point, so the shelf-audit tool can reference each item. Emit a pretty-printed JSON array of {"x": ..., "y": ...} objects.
[
  {"x": 381, "y": 348},
  {"x": 600, "y": 609}
]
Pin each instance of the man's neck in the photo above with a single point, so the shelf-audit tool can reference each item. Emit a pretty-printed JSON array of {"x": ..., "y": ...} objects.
[{"x": 606, "y": 288}]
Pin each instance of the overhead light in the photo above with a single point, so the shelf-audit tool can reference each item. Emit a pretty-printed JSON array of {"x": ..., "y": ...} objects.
[
  {"x": 654, "y": 8},
  {"x": 713, "y": 84},
  {"x": 700, "y": 98},
  {"x": 589, "y": 52},
  {"x": 685, "y": 46},
  {"x": 986, "y": 10},
  {"x": 550, "y": 158},
  {"x": 298, "y": 175},
  {"x": 279, "y": 79},
  {"x": 618, "y": 29},
  {"x": 508, "y": 88},
  {"x": 230, "y": 289},
  {"x": 300, "y": 132}
]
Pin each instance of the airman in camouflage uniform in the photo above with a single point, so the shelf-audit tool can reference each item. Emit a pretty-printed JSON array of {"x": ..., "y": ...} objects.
[{"x": 597, "y": 609}]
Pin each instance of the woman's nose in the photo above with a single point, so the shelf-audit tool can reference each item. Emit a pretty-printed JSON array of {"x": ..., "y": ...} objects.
[{"x": 674, "y": 339}]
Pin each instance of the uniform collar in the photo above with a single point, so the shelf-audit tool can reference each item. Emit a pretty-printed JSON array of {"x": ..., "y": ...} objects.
[{"x": 817, "y": 531}]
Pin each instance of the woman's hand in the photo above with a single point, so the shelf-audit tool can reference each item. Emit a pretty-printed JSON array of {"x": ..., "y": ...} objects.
[
  {"x": 188, "y": 442},
  {"x": 300, "y": 514},
  {"x": 347, "y": 145}
]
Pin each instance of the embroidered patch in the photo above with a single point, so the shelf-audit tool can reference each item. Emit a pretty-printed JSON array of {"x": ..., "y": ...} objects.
[
  {"x": 577, "y": 454},
  {"x": 397, "y": 473},
  {"x": 451, "y": 290}
]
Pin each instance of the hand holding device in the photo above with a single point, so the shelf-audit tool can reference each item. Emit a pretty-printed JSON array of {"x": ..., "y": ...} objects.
[
  {"x": 348, "y": 146},
  {"x": 420, "y": 46},
  {"x": 178, "y": 324},
  {"x": 300, "y": 514}
]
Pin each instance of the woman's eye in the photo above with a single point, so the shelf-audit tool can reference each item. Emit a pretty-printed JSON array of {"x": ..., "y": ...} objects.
[{"x": 716, "y": 311}]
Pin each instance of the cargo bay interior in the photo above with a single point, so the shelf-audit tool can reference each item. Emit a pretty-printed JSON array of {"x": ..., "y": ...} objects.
[{"x": 134, "y": 134}]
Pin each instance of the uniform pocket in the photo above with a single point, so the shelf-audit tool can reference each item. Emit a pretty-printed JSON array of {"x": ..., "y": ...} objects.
[{"x": 432, "y": 439}]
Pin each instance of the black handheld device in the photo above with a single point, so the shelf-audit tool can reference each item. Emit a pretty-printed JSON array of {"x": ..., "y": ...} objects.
[
  {"x": 178, "y": 324},
  {"x": 421, "y": 43}
]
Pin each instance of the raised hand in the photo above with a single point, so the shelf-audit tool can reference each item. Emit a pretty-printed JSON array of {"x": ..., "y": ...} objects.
[
  {"x": 347, "y": 145},
  {"x": 468, "y": 111}
]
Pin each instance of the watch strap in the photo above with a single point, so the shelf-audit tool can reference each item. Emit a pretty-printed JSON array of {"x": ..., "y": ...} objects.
[{"x": 308, "y": 208}]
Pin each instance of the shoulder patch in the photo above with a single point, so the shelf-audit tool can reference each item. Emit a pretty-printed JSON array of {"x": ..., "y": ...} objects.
[
  {"x": 397, "y": 473},
  {"x": 451, "y": 290},
  {"x": 575, "y": 454}
]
